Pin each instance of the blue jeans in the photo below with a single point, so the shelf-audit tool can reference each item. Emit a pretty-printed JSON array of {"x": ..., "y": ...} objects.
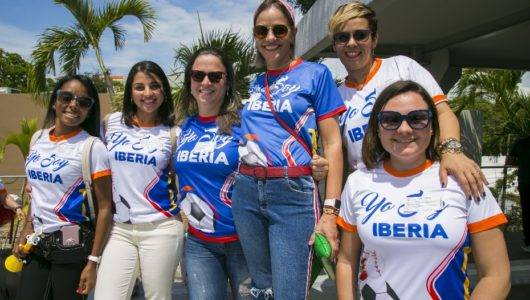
[
  {"x": 275, "y": 219},
  {"x": 209, "y": 266}
]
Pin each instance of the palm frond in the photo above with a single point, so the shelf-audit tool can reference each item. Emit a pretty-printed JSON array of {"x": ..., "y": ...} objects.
[
  {"x": 238, "y": 49},
  {"x": 83, "y": 13},
  {"x": 20, "y": 140},
  {"x": 115, "y": 11},
  {"x": 119, "y": 36},
  {"x": 69, "y": 43}
]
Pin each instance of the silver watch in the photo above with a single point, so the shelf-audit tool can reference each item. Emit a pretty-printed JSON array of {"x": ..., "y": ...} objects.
[{"x": 450, "y": 145}]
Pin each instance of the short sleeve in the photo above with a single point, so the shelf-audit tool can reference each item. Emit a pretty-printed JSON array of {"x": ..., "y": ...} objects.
[
  {"x": 420, "y": 75},
  {"x": 484, "y": 214},
  {"x": 3, "y": 191},
  {"x": 100, "y": 165},
  {"x": 346, "y": 218},
  {"x": 328, "y": 102}
]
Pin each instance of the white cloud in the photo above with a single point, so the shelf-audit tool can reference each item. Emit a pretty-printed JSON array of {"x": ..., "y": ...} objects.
[
  {"x": 17, "y": 40},
  {"x": 176, "y": 23}
]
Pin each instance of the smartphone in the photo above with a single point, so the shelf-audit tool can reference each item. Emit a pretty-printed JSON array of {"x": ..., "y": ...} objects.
[{"x": 70, "y": 236}]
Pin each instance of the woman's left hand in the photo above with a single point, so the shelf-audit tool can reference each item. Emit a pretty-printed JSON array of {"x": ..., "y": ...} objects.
[
  {"x": 87, "y": 281},
  {"x": 466, "y": 172},
  {"x": 319, "y": 167},
  {"x": 327, "y": 225}
]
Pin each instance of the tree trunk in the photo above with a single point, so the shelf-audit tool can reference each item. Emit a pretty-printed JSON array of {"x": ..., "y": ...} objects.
[{"x": 106, "y": 74}]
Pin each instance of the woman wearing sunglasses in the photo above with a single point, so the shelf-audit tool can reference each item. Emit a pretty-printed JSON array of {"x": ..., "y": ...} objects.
[
  {"x": 63, "y": 264},
  {"x": 353, "y": 28},
  {"x": 275, "y": 200},
  {"x": 205, "y": 161},
  {"x": 146, "y": 238},
  {"x": 415, "y": 235}
]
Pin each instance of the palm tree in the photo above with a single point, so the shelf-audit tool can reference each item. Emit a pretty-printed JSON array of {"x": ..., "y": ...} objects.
[
  {"x": 239, "y": 49},
  {"x": 506, "y": 108},
  {"x": 73, "y": 42},
  {"x": 20, "y": 140}
]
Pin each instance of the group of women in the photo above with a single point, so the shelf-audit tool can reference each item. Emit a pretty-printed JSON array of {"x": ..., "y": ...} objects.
[{"x": 246, "y": 179}]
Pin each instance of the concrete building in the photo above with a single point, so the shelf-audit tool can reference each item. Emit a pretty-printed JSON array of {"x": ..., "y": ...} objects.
[{"x": 444, "y": 36}]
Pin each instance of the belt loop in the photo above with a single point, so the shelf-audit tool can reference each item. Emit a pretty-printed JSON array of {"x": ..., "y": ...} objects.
[{"x": 285, "y": 172}]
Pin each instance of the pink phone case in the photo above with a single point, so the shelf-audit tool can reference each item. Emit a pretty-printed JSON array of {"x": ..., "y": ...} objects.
[{"x": 70, "y": 235}]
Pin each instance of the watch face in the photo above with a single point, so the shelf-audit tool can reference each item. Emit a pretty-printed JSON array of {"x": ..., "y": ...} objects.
[{"x": 454, "y": 145}]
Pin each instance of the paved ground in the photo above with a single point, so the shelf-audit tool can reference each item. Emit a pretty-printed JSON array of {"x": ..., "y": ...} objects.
[{"x": 324, "y": 288}]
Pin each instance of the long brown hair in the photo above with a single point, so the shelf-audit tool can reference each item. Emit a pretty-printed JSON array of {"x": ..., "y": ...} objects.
[
  {"x": 129, "y": 108},
  {"x": 186, "y": 105},
  {"x": 373, "y": 151}
]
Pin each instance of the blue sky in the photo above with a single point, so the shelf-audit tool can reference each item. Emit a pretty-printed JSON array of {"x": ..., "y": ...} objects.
[{"x": 22, "y": 21}]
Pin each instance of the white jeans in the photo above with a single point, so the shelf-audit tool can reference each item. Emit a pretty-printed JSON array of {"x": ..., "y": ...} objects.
[{"x": 150, "y": 249}]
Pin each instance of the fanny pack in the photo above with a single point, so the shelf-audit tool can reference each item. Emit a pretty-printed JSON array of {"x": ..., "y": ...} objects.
[{"x": 57, "y": 248}]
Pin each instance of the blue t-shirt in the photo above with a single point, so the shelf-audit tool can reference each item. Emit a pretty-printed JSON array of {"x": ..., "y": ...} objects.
[
  {"x": 302, "y": 95},
  {"x": 205, "y": 162}
]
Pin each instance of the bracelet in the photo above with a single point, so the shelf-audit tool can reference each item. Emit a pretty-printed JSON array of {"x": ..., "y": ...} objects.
[
  {"x": 450, "y": 145},
  {"x": 96, "y": 259},
  {"x": 330, "y": 210}
]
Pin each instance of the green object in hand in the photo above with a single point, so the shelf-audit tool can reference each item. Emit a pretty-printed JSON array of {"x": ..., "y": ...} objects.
[
  {"x": 322, "y": 246},
  {"x": 322, "y": 254}
]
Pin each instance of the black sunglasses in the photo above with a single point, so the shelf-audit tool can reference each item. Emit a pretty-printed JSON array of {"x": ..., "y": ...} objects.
[
  {"x": 214, "y": 77},
  {"x": 81, "y": 101},
  {"x": 359, "y": 35},
  {"x": 417, "y": 119},
  {"x": 279, "y": 30}
]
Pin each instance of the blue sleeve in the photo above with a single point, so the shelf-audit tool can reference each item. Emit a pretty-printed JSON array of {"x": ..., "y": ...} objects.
[{"x": 327, "y": 100}]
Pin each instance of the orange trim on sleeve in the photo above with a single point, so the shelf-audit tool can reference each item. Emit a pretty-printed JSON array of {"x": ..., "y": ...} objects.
[
  {"x": 488, "y": 223},
  {"x": 373, "y": 70},
  {"x": 439, "y": 99},
  {"x": 100, "y": 174},
  {"x": 406, "y": 173},
  {"x": 346, "y": 226}
]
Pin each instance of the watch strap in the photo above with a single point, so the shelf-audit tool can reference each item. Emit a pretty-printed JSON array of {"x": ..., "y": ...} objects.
[{"x": 96, "y": 259}]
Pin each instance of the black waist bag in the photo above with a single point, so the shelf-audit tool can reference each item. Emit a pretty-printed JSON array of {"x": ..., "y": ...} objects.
[{"x": 51, "y": 249}]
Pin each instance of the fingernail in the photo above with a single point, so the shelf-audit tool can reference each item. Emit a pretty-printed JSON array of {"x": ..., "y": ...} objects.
[
  {"x": 483, "y": 194},
  {"x": 469, "y": 198},
  {"x": 443, "y": 184}
]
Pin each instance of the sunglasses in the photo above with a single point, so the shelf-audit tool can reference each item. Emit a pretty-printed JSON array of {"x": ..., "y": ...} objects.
[
  {"x": 279, "y": 30},
  {"x": 417, "y": 119},
  {"x": 81, "y": 101},
  {"x": 213, "y": 77},
  {"x": 359, "y": 35}
]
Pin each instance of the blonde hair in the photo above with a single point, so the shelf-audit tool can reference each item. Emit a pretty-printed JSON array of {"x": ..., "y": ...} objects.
[{"x": 350, "y": 11}]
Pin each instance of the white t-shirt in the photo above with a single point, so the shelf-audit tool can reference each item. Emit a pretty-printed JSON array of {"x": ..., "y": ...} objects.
[
  {"x": 416, "y": 234},
  {"x": 54, "y": 172},
  {"x": 359, "y": 100},
  {"x": 139, "y": 159}
]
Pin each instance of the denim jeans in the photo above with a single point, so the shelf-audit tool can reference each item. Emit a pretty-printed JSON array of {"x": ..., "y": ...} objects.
[
  {"x": 209, "y": 266},
  {"x": 274, "y": 219}
]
